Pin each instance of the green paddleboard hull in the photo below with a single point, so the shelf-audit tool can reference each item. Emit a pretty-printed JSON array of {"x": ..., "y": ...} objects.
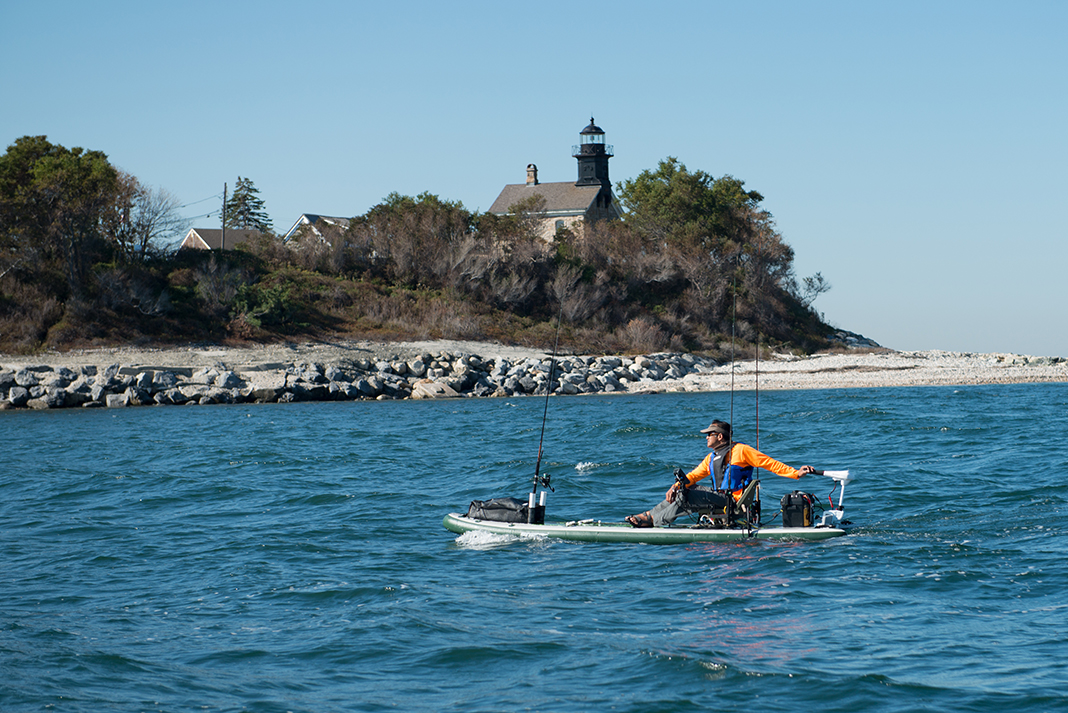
[{"x": 595, "y": 531}]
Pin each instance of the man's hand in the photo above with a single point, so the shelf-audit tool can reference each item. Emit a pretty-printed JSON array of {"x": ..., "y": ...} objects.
[
  {"x": 806, "y": 469},
  {"x": 672, "y": 492}
]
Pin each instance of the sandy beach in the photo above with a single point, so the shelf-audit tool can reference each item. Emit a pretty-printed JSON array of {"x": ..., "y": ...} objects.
[{"x": 880, "y": 368}]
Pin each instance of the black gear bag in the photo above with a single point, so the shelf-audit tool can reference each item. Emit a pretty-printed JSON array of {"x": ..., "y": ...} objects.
[{"x": 505, "y": 510}]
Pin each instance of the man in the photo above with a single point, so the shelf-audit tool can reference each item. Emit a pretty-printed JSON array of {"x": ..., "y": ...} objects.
[{"x": 730, "y": 464}]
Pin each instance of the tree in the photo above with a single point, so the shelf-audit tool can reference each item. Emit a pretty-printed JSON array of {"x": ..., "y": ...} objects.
[
  {"x": 244, "y": 209},
  {"x": 54, "y": 203},
  {"x": 145, "y": 221},
  {"x": 410, "y": 240},
  {"x": 811, "y": 288},
  {"x": 718, "y": 235}
]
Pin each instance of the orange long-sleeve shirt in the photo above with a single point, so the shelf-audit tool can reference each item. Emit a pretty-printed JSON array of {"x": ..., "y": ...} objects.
[{"x": 743, "y": 455}]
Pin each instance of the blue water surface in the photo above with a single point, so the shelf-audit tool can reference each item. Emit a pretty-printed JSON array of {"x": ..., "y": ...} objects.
[{"x": 290, "y": 557}]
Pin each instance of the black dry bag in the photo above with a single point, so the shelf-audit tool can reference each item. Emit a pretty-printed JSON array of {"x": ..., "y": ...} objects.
[{"x": 505, "y": 510}]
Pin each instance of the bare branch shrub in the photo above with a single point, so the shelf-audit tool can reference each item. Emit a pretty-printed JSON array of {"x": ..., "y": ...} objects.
[
  {"x": 578, "y": 300},
  {"x": 641, "y": 336},
  {"x": 217, "y": 284}
]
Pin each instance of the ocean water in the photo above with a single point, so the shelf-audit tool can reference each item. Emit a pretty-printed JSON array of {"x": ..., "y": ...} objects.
[{"x": 291, "y": 557}]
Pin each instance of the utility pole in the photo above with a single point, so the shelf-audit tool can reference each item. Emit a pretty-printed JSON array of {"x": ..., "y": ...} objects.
[{"x": 222, "y": 238}]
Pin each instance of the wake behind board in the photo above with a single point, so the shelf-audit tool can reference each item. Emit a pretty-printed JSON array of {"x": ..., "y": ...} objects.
[{"x": 596, "y": 531}]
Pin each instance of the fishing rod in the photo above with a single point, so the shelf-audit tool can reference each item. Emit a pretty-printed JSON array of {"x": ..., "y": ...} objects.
[
  {"x": 544, "y": 481},
  {"x": 756, "y": 384}
]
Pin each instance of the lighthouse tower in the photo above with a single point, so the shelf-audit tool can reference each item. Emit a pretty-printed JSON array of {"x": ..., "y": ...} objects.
[{"x": 592, "y": 154}]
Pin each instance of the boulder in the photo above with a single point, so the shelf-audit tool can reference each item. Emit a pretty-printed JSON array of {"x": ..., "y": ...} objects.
[
  {"x": 566, "y": 387},
  {"x": 204, "y": 377},
  {"x": 97, "y": 392},
  {"x": 51, "y": 398},
  {"x": 137, "y": 397},
  {"x": 163, "y": 380},
  {"x": 18, "y": 395},
  {"x": 266, "y": 386},
  {"x": 416, "y": 367},
  {"x": 333, "y": 373},
  {"x": 427, "y": 389},
  {"x": 369, "y": 387},
  {"x": 308, "y": 391},
  {"x": 229, "y": 380}
]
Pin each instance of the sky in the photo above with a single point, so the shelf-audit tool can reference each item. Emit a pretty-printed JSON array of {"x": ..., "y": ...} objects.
[{"x": 915, "y": 154}]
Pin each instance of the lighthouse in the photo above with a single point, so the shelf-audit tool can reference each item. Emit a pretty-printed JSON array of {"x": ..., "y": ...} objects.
[{"x": 592, "y": 154}]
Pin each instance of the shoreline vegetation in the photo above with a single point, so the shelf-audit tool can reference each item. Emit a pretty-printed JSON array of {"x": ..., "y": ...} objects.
[
  {"x": 365, "y": 370},
  {"x": 693, "y": 268}
]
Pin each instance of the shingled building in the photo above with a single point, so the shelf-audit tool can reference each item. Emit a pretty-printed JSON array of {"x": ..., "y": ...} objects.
[{"x": 568, "y": 205}]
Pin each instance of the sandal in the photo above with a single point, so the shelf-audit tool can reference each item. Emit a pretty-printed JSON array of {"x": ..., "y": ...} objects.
[{"x": 639, "y": 520}]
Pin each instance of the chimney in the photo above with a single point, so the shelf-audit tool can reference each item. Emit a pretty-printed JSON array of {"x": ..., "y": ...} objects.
[{"x": 532, "y": 175}]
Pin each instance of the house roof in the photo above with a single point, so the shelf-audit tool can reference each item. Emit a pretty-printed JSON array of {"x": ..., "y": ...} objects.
[
  {"x": 561, "y": 199},
  {"x": 312, "y": 219},
  {"x": 211, "y": 238}
]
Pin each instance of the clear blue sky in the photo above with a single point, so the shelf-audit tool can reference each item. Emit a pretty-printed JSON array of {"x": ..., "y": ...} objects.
[{"x": 914, "y": 153}]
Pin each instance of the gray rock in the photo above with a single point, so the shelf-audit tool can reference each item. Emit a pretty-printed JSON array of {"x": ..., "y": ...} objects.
[
  {"x": 26, "y": 378},
  {"x": 116, "y": 400},
  {"x": 229, "y": 380},
  {"x": 307, "y": 391},
  {"x": 349, "y": 391},
  {"x": 137, "y": 397},
  {"x": 18, "y": 395},
  {"x": 174, "y": 396},
  {"x": 97, "y": 392},
  {"x": 333, "y": 373},
  {"x": 76, "y": 397},
  {"x": 204, "y": 377},
  {"x": 566, "y": 387},
  {"x": 313, "y": 373},
  {"x": 193, "y": 392},
  {"x": 266, "y": 386},
  {"x": 367, "y": 386},
  {"x": 432, "y": 390},
  {"x": 163, "y": 380}
]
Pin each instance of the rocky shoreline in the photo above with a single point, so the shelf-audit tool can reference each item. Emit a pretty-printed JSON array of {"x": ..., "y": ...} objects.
[{"x": 415, "y": 370}]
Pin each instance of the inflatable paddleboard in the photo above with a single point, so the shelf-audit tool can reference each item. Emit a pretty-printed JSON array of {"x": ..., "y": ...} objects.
[{"x": 597, "y": 531}]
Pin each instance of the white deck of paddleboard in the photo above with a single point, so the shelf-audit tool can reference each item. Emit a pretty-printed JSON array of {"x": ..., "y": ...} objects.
[{"x": 595, "y": 531}]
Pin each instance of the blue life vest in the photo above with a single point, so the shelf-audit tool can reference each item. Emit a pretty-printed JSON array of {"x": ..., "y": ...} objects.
[{"x": 733, "y": 477}]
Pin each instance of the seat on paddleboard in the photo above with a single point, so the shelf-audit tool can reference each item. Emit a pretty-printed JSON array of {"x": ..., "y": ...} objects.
[{"x": 749, "y": 502}]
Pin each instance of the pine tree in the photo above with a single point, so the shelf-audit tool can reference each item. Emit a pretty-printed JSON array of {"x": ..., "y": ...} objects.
[{"x": 245, "y": 209}]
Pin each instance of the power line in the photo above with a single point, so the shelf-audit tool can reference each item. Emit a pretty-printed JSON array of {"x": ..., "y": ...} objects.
[{"x": 217, "y": 195}]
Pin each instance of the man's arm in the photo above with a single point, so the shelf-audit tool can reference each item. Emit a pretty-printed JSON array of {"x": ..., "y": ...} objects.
[{"x": 751, "y": 456}]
